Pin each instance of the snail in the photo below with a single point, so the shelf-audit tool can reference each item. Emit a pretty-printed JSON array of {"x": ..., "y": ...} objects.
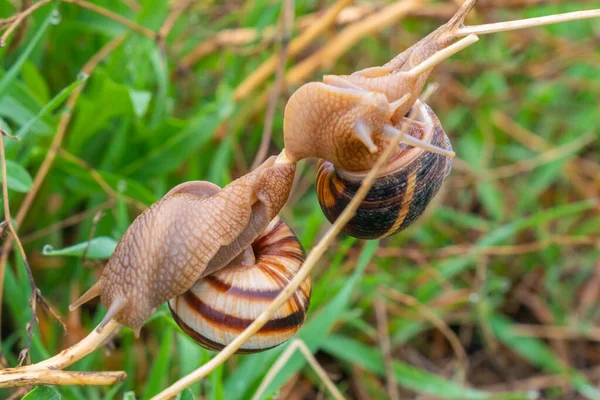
[
  {"x": 347, "y": 120},
  {"x": 218, "y": 307},
  {"x": 195, "y": 230},
  {"x": 401, "y": 191}
]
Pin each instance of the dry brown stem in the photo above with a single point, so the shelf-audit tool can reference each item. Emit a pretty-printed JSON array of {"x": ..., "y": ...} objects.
[
  {"x": 527, "y": 23},
  {"x": 508, "y": 250},
  {"x": 16, "y": 20},
  {"x": 175, "y": 13},
  {"x": 110, "y": 192},
  {"x": 37, "y": 373},
  {"x": 335, "y": 48},
  {"x": 297, "y": 344},
  {"x": 69, "y": 221},
  {"x": 134, "y": 26},
  {"x": 36, "y": 295},
  {"x": 431, "y": 316},
  {"x": 34, "y": 377},
  {"x": 298, "y": 44},
  {"x": 20, "y": 17},
  {"x": 558, "y": 332}
]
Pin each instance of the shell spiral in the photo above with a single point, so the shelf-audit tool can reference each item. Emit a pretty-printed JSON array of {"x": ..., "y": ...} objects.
[
  {"x": 220, "y": 306},
  {"x": 399, "y": 195}
]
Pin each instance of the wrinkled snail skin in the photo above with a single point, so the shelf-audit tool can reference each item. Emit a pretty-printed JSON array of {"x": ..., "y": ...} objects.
[
  {"x": 399, "y": 195},
  {"x": 393, "y": 80},
  {"x": 220, "y": 306},
  {"x": 192, "y": 231},
  {"x": 320, "y": 121}
]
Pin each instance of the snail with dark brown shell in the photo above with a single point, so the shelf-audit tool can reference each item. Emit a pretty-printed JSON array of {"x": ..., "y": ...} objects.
[
  {"x": 400, "y": 193},
  {"x": 347, "y": 120}
]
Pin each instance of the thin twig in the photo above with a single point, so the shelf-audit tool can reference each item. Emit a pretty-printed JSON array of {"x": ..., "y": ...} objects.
[
  {"x": 134, "y": 26},
  {"x": 350, "y": 35},
  {"x": 526, "y": 23},
  {"x": 95, "y": 221},
  {"x": 18, "y": 19},
  {"x": 97, "y": 176},
  {"x": 296, "y": 45},
  {"x": 539, "y": 160},
  {"x": 443, "y": 55},
  {"x": 461, "y": 355},
  {"x": 12, "y": 377},
  {"x": 558, "y": 332},
  {"x": 507, "y": 250},
  {"x": 287, "y": 25},
  {"x": 69, "y": 221},
  {"x": 297, "y": 344},
  {"x": 175, "y": 13}
]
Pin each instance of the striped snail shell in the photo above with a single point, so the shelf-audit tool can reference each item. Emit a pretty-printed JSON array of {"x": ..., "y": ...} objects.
[
  {"x": 220, "y": 306},
  {"x": 400, "y": 193}
]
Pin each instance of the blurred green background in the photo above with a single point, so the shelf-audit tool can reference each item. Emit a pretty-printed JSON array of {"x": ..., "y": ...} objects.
[{"x": 493, "y": 294}]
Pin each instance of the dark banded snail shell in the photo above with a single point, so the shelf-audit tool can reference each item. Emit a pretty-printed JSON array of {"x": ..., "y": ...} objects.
[
  {"x": 402, "y": 191},
  {"x": 220, "y": 306}
]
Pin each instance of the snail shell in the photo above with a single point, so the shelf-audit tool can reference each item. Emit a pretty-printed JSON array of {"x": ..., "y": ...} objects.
[
  {"x": 402, "y": 191},
  {"x": 220, "y": 306}
]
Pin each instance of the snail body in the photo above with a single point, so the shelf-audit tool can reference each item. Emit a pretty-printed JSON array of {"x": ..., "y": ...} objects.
[
  {"x": 194, "y": 230},
  {"x": 400, "y": 193},
  {"x": 220, "y": 306}
]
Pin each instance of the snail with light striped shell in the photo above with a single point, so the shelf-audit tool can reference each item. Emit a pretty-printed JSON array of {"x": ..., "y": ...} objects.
[{"x": 220, "y": 306}]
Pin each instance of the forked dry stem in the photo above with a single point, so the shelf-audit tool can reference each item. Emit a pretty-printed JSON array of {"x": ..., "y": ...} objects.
[
  {"x": 19, "y": 18},
  {"x": 46, "y": 371},
  {"x": 297, "y": 344}
]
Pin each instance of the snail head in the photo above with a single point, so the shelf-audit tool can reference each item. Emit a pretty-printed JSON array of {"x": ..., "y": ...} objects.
[{"x": 346, "y": 119}]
